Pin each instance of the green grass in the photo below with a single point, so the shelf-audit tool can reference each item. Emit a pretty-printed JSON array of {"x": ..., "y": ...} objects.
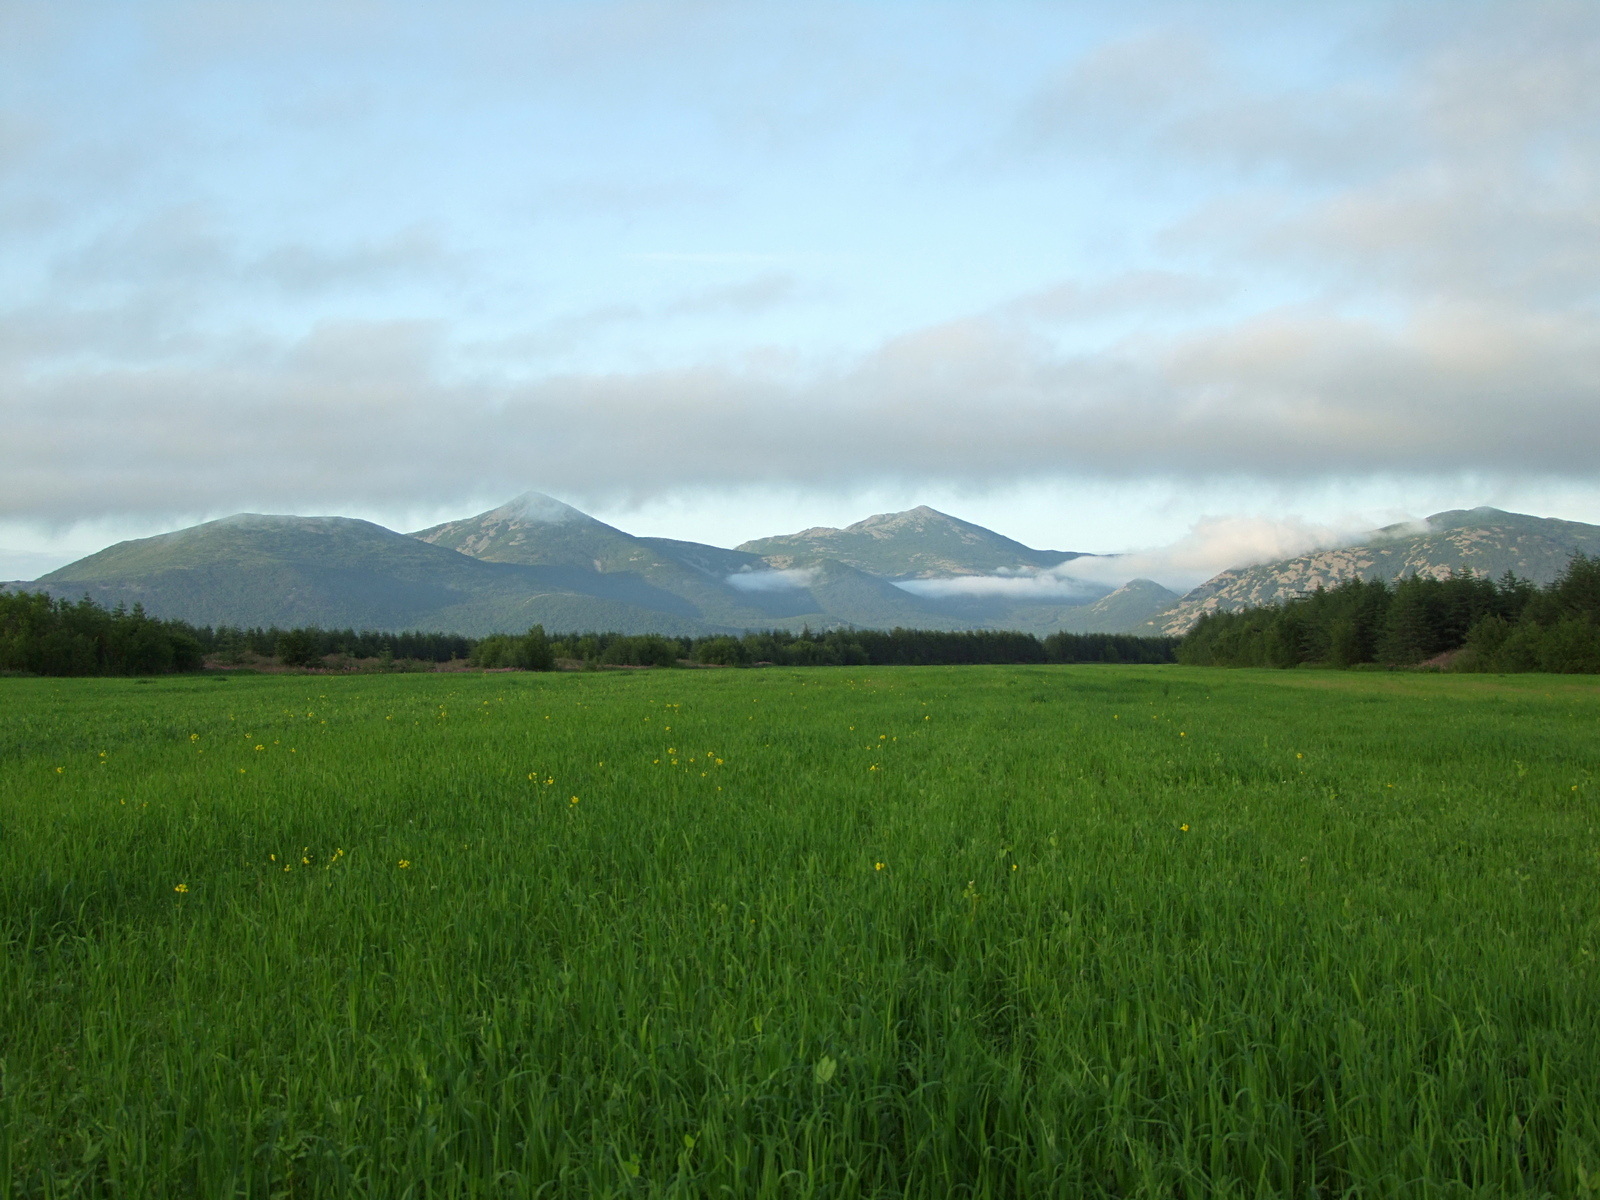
[{"x": 1366, "y": 968}]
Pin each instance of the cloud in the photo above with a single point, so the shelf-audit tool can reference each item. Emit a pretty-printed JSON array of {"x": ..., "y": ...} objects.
[
  {"x": 793, "y": 579},
  {"x": 1030, "y": 587},
  {"x": 747, "y": 297},
  {"x": 190, "y": 246},
  {"x": 1131, "y": 291},
  {"x": 1410, "y": 161},
  {"x": 412, "y": 252},
  {"x": 1488, "y": 189},
  {"x": 1215, "y": 544},
  {"x": 376, "y": 411},
  {"x": 1174, "y": 93}
]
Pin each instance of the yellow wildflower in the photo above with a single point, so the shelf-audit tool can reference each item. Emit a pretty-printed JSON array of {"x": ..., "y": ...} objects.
[{"x": 182, "y": 887}]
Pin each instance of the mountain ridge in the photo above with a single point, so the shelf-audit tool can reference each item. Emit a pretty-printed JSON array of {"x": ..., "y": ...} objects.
[
  {"x": 919, "y": 543},
  {"x": 1488, "y": 541},
  {"x": 261, "y": 569}
]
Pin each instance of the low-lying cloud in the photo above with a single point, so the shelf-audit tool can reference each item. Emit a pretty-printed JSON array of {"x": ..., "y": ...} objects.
[
  {"x": 789, "y": 580},
  {"x": 1213, "y": 545},
  {"x": 1034, "y": 587}
]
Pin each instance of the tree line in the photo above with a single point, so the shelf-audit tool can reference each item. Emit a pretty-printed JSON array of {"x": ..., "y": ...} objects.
[
  {"x": 44, "y": 636},
  {"x": 1476, "y": 624},
  {"x": 861, "y": 647},
  {"x": 310, "y": 645}
]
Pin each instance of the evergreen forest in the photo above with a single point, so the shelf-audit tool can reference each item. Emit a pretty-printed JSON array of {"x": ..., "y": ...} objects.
[
  {"x": 40, "y": 635},
  {"x": 1462, "y": 621}
]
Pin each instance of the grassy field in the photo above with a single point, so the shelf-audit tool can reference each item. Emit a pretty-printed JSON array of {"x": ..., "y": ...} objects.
[{"x": 992, "y": 932}]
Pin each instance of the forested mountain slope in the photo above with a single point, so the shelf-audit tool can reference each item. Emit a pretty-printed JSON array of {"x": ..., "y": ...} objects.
[
  {"x": 253, "y": 569},
  {"x": 921, "y": 543},
  {"x": 1486, "y": 541}
]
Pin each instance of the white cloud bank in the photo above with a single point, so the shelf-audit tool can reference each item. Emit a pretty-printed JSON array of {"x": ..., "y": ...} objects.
[
  {"x": 1024, "y": 587},
  {"x": 362, "y": 411},
  {"x": 1215, "y": 544},
  {"x": 790, "y": 580},
  {"x": 1212, "y": 545}
]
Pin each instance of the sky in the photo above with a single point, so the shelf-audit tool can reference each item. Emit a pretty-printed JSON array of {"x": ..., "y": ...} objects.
[{"x": 1211, "y": 280}]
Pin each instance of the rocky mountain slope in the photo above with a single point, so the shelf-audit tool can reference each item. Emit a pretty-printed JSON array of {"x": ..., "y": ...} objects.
[
  {"x": 1129, "y": 607},
  {"x": 1487, "y": 541}
]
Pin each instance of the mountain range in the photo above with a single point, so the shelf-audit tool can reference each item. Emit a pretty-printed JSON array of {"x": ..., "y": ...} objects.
[{"x": 537, "y": 560}]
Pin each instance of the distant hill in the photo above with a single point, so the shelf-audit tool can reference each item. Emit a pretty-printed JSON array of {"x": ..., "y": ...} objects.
[
  {"x": 535, "y": 529},
  {"x": 252, "y": 569},
  {"x": 1485, "y": 540},
  {"x": 1098, "y": 609},
  {"x": 1129, "y": 607},
  {"x": 921, "y": 543}
]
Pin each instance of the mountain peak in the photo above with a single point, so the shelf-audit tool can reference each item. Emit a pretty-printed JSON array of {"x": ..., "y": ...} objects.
[
  {"x": 1468, "y": 518},
  {"x": 920, "y": 543},
  {"x": 535, "y": 508},
  {"x": 534, "y": 530},
  {"x": 920, "y": 517}
]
